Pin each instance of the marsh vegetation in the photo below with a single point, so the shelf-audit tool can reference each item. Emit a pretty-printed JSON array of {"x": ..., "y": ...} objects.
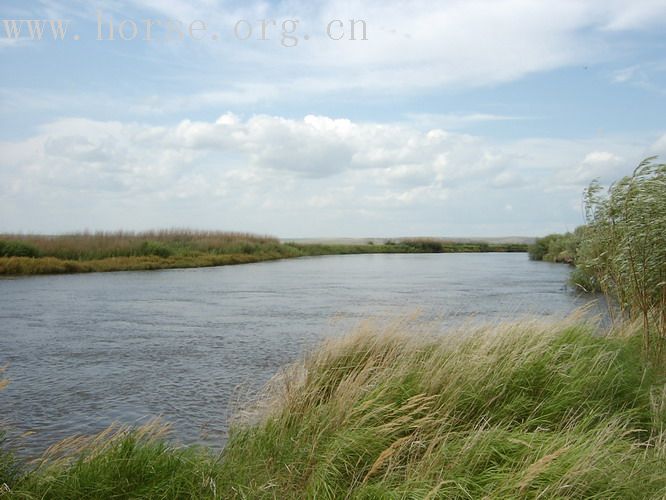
[
  {"x": 168, "y": 249},
  {"x": 504, "y": 411}
]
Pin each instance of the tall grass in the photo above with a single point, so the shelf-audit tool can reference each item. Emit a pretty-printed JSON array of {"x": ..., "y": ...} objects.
[
  {"x": 625, "y": 247},
  {"x": 120, "y": 251},
  {"x": 508, "y": 412},
  {"x": 162, "y": 243},
  {"x": 9, "y": 467},
  {"x": 621, "y": 251},
  {"x": 525, "y": 410},
  {"x": 120, "y": 463}
]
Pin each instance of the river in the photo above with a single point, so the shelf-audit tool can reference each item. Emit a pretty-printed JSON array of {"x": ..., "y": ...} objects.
[{"x": 85, "y": 350}]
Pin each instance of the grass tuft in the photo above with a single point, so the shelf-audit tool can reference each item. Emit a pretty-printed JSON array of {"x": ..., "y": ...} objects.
[
  {"x": 523, "y": 410},
  {"x": 509, "y": 411}
]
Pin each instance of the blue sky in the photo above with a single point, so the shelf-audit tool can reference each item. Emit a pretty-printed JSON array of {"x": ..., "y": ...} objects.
[{"x": 458, "y": 118}]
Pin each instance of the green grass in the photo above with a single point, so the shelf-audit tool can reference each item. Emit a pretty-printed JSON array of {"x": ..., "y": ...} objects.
[
  {"x": 510, "y": 411},
  {"x": 126, "y": 251},
  {"x": 624, "y": 248},
  {"x": 561, "y": 248}
]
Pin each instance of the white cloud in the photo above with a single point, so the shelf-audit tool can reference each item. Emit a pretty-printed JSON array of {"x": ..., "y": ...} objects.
[
  {"x": 627, "y": 74},
  {"x": 600, "y": 164},
  {"x": 317, "y": 174},
  {"x": 454, "y": 121},
  {"x": 7, "y": 43},
  {"x": 276, "y": 174},
  {"x": 424, "y": 44},
  {"x": 411, "y": 45},
  {"x": 646, "y": 76},
  {"x": 506, "y": 179},
  {"x": 659, "y": 147},
  {"x": 631, "y": 15}
]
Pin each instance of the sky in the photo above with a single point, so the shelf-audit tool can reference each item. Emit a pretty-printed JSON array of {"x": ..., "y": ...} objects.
[{"x": 451, "y": 118}]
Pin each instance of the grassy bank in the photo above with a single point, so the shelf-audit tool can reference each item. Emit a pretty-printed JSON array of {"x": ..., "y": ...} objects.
[
  {"x": 514, "y": 411},
  {"x": 126, "y": 251}
]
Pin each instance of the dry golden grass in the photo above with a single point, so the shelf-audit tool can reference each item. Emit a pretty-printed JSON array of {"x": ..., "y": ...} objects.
[
  {"x": 519, "y": 410},
  {"x": 167, "y": 249},
  {"x": 522, "y": 410},
  {"x": 113, "y": 241}
]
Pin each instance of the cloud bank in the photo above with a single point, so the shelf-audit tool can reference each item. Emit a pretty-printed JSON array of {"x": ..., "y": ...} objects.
[{"x": 309, "y": 176}]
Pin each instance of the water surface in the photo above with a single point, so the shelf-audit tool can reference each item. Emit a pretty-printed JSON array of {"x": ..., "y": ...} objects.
[{"x": 85, "y": 350}]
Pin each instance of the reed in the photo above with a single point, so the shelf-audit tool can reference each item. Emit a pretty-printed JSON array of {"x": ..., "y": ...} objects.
[
  {"x": 625, "y": 248},
  {"x": 621, "y": 251},
  {"x": 168, "y": 249},
  {"x": 100, "y": 245}
]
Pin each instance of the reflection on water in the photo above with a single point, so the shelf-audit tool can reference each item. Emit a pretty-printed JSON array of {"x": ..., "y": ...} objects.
[{"x": 85, "y": 350}]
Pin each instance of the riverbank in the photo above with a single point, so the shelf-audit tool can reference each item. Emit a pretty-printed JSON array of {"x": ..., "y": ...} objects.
[
  {"x": 22, "y": 255},
  {"x": 504, "y": 411}
]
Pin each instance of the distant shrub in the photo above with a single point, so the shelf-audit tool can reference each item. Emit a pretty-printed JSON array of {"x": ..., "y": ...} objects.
[
  {"x": 516, "y": 247},
  {"x": 16, "y": 248},
  {"x": 155, "y": 248},
  {"x": 557, "y": 247},
  {"x": 249, "y": 248},
  {"x": 539, "y": 248},
  {"x": 426, "y": 246}
]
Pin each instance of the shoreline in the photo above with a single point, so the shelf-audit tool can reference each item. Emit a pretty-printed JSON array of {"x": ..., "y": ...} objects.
[
  {"x": 16, "y": 266},
  {"x": 382, "y": 411}
]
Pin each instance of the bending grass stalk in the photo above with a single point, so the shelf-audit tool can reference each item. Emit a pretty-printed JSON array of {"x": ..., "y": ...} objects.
[
  {"x": 508, "y": 411},
  {"x": 522, "y": 410}
]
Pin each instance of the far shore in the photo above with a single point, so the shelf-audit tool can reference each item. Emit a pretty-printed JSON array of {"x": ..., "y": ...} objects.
[{"x": 23, "y": 255}]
